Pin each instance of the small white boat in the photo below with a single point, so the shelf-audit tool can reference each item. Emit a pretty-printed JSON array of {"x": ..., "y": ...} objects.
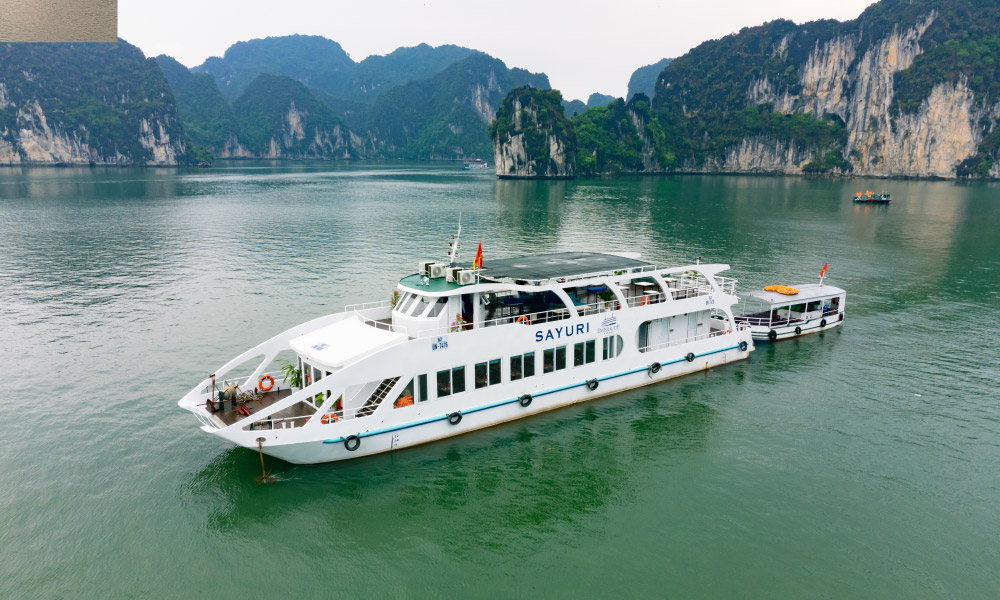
[
  {"x": 779, "y": 312},
  {"x": 461, "y": 348},
  {"x": 475, "y": 164}
]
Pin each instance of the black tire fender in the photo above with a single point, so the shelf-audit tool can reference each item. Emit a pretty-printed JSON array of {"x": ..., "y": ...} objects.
[
  {"x": 654, "y": 368},
  {"x": 772, "y": 335},
  {"x": 592, "y": 384},
  {"x": 798, "y": 331},
  {"x": 352, "y": 443},
  {"x": 841, "y": 316},
  {"x": 525, "y": 400},
  {"x": 744, "y": 346},
  {"x": 690, "y": 357},
  {"x": 822, "y": 323},
  {"x": 455, "y": 418}
]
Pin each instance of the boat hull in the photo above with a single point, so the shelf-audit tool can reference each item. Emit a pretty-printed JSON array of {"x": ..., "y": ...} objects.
[
  {"x": 429, "y": 425},
  {"x": 784, "y": 332}
]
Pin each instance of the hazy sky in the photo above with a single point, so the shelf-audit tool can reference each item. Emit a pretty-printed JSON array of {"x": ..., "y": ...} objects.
[{"x": 583, "y": 46}]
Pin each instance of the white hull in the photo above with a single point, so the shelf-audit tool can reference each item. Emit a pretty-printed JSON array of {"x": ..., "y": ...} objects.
[
  {"x": 763, "y": 334},
  {"x": 431, "y": 423}
]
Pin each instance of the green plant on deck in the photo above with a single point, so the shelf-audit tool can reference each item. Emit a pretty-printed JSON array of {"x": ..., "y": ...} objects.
[
  {"x": 395, "y": 298},
  {"x": 293, "y": 375}
]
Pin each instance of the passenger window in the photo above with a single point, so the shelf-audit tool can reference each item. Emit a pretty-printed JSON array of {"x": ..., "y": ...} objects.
[
  {"x": 515, "y": 368},
  {"x": 444, "y": 383},
  {"x": 548, "y": 361},
  {"x": 814, "y": 305},
  {"x": 458, "y": 380},
  {"x": 560, "y": 358},
  {"x": 405, "y": 397},
  {"x": 578, "y": 354},
  {"x": 480, "y": 375},
  {"x": 422, "y": 380},
  {"x": 591, "y": 351},
  {"x": 529, "y": 364},
  {"x": 495, "y": 372}
]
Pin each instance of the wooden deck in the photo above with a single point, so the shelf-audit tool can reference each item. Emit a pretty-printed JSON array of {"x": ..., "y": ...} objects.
[{"x": 227, "y": 417}]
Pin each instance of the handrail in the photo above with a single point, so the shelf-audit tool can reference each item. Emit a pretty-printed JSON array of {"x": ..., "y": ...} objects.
[{"x": 703, "y": 336}]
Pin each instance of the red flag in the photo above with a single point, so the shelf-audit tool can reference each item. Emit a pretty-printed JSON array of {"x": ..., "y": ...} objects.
[
  {"x": 822, "y": 271},
  {"x": 477, "y": 263}
]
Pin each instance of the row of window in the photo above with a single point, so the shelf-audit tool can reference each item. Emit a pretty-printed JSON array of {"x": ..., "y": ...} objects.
[{"x": 487, "y": 373}]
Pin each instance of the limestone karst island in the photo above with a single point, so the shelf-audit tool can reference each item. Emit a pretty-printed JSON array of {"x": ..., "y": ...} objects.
[{"x": 908, "y": 89}]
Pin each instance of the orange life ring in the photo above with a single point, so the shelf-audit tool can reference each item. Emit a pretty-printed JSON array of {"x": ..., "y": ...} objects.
[
  {"x": 270, "y": 383},
  {"x": 523, "y": 319},
  {"x": 329, "y": 418},
  {"x": 644, "y": 301}
]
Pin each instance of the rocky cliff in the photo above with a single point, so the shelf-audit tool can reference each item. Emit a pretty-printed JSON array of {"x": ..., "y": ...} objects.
[
  {"x": 532, "y": 139},
  {"x": 912, "y": 82},
  {"x": 86, "y": 104},
  {"x": 278, "y": 117}
]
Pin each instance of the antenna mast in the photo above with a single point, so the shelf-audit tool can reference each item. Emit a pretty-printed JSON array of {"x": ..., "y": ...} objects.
[{"x": 455, "y": 243}]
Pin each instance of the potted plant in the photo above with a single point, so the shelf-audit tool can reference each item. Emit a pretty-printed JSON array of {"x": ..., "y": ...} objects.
[
  {"x": 293, "y": 375},
  {"x": 395, "y": 298}
]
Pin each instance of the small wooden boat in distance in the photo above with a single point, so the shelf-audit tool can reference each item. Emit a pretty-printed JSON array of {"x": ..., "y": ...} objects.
[{"x": 870, "y": 197}]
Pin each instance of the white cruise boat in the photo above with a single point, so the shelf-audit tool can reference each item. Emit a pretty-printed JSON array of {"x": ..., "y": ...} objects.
[
  {"x": 459, "y": 349},
  {"x": 780, "y": 312}
]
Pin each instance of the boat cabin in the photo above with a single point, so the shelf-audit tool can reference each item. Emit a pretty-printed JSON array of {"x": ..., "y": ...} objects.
[{"x": 771, "y": 309}]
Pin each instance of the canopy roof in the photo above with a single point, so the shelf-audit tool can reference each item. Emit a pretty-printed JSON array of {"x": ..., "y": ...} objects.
[
  {"x": 807, "y": 292},
  {"x": 343, "y": 342},
  {"x": 557, "y": 265}
]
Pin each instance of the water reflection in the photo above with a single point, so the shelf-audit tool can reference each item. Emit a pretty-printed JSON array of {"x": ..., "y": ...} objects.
[{"x": 497, "y": 487}]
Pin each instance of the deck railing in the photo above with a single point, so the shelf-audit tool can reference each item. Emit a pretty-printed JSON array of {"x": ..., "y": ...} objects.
[{"x": 695, "y": 338}]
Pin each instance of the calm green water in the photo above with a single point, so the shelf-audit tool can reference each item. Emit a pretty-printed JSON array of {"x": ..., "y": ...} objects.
[{"x": 858, "y": 463}]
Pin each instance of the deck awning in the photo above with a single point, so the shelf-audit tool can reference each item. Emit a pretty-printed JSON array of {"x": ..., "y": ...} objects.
[
  {"x": 344, "y": 342},
  {"x": 807, "y": 292}
]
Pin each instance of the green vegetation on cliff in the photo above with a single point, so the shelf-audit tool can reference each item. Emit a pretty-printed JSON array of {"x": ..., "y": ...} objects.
[
  {"x": 208, "y": 119},
  {"x": 643, "y": 79},
  {"x": 278, "y": 113},
  {"x": 535, "y": 117},
  {"x": 311, "y": 59},
  {"x": 446, "y": 116},
  {"x": 108, "y": 94}
]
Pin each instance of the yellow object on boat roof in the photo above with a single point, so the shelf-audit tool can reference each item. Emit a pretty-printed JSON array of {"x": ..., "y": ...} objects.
[{"x": 782, "y": 289}]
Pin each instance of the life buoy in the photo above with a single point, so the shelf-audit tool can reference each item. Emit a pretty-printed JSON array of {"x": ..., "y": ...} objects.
[
  {"x": 592, "y": 384},
  {"x": 690, "y": 357},
  {"x": 523, "y": 319},
  {"x": 822, "y": 323},
  {"x": 329, "y": 418},
  {"x": 798, "y": 331},
  {"x": 743, "y": 346},
  {"x": 270, "y": 383},
  {"x": 455, "y": 418},
  {"x": 644, "y": 301},
  {"x": 772, "y": 335},
  {"x": 352, "y": 443},
  {"x": 525, "y": 400},
  {"x": 654, "y": 368}
]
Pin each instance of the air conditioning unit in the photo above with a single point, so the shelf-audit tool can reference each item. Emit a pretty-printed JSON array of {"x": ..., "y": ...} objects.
[
  {"x": 437, "y": 270},
  {"x": 424, "y": 267},
  {"x": 453, "y": 273},
  {"x": 466, "y": 277}
]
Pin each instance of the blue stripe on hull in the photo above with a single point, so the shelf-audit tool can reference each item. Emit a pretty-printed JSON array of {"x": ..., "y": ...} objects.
[{"x": 513, "y": 400}]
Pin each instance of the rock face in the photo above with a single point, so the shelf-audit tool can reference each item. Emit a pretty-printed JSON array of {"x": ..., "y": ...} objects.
[
  {"x": 861, "y": 73},
  {"x": 532, "y": 139},
  {"x": 85, "y": 104},
  {"x": 279, "y": 117}
]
